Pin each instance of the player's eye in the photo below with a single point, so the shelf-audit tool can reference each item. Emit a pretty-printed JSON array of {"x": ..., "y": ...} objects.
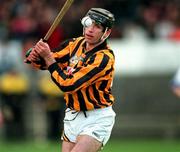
[{"x": 98, "y": 26}]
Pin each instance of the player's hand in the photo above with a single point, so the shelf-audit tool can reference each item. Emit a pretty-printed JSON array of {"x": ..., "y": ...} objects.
[
  {"x": 32, "y": 56},
  {"x": 43, "y": 50}
]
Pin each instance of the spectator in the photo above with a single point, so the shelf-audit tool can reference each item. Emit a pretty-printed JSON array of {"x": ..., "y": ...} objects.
[
  {"x": 176, "y": 84},
  {"x": 13, "y": 88},
  {"x": 53, "y": 99}
]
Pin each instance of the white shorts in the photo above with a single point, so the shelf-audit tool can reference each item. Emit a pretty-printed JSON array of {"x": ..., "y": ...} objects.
[{"x": 96, "y": 123}]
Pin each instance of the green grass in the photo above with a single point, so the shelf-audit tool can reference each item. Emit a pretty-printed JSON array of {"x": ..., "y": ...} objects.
[
  {"x": 133, "y": 145},
  {"x": 136, "y": 145}
]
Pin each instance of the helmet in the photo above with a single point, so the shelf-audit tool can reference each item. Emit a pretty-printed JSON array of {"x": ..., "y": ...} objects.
[{"x": 101, "y": 16}]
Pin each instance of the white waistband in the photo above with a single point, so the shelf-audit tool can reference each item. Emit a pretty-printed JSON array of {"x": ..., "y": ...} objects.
[{"x": 105, "y": 111}]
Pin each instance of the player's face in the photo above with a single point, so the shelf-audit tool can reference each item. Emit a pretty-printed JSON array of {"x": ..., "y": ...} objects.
[{"x": 93, "y": 33}]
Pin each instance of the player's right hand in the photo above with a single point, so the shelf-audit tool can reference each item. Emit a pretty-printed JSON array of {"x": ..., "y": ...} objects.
[{"x": 32, "y": 56}]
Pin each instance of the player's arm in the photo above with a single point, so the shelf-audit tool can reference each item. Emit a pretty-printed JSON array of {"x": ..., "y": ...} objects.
[
  {"x": 97, "y": 68},
  {"x": 176, "y": 91},
  {"x": 60, "y": 54},
  {"x": 175, "y": 84}
]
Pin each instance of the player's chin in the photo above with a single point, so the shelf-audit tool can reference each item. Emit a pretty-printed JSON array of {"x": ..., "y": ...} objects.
[{"x": 90, "y": 40}]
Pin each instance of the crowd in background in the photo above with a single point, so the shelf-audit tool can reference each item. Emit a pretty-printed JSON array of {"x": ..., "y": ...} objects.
[{"x": 25, "y": 19}]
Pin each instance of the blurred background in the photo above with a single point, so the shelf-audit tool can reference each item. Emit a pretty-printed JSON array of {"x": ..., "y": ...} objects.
[{"x": 146, "y": 43}]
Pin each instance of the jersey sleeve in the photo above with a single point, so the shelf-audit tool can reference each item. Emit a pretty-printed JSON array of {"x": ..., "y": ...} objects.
[
  {"x": 97, "y": 67},
  {"x": 61, "y": 55}
]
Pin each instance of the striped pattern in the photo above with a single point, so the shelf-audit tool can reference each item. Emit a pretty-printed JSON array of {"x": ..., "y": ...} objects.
[
  {"x": 90, "y": 85},
  {"x": 64, "y": 137}
]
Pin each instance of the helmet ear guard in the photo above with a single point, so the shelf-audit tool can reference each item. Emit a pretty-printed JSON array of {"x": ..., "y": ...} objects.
[{"x": 86, "y": 21}]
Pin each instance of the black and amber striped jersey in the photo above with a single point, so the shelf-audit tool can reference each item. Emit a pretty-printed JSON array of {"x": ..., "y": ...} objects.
[{"x": 89, "y": 84}]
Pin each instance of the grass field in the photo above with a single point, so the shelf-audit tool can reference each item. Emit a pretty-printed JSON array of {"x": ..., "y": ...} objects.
[{"x": 133, "y": 145}]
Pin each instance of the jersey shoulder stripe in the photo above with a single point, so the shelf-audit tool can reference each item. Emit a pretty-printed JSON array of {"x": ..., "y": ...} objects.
[
  {"x": 79, "y": 42},
  {"x": 62, "y": 45}
]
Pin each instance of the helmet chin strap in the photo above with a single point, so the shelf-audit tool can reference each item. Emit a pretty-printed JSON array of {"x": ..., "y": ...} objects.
[{"x": 103, "y": 36}]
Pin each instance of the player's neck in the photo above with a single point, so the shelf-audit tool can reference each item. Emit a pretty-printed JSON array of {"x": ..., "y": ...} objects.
[{"x": 90, "y": 46}]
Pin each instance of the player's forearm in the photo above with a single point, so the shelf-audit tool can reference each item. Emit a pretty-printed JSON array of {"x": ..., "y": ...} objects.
[
  {"x": 176, "y": 91},
  {"x": 49, "y": 60}
]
